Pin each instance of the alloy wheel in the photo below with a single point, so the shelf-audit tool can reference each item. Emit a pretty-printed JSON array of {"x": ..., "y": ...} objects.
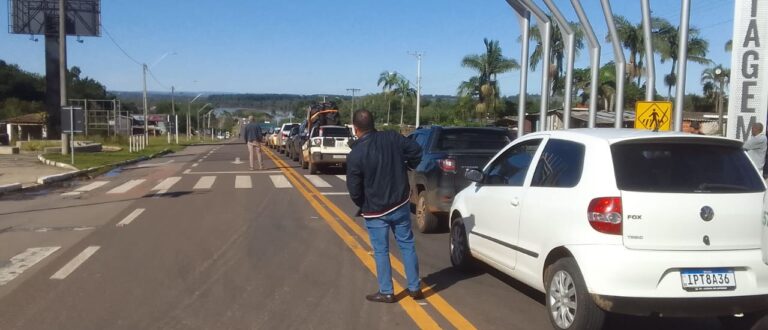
[{"x": 562, "y": 299}]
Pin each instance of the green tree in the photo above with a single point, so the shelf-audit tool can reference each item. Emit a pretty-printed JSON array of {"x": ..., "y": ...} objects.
[
  {"x": 556, "y": 67},
  {"x": 388, "y": 80},
  {"x": 488, "y": 65},
  {"x": 403, "y": 89},
  {"x": 667, "y": 46}
]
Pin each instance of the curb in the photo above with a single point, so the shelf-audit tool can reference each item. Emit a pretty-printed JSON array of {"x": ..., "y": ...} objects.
[
  {"x": 57, "y": 164},
  {"x": 9, "y": 187},
  {"x": 65, "y": 176}
]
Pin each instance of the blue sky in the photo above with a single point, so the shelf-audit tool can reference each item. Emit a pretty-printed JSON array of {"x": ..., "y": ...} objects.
[{"x": 325, "y": 47}]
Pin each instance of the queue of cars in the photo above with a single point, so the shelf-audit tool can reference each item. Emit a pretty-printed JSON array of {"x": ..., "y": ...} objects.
[
  {"x": 317, "y": 149},
  {"x": 599, "y": 220}
]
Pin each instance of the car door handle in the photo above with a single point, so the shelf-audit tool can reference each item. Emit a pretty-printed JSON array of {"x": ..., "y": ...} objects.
[{"x": 514, "y": 202}]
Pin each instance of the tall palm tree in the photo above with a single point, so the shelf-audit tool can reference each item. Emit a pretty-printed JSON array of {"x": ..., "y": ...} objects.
[
  {"x": 403, "y": 89},
  {"x": 557, "y": 47},
  {"x": 667, "y": 47},
  {"x": 488, "y": 65},
  {"x": 632, "y": 39},
  {"x": 387, "y": 80}
]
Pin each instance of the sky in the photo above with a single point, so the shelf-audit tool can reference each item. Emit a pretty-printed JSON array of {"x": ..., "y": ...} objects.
[{"x": 327, "y": 47}]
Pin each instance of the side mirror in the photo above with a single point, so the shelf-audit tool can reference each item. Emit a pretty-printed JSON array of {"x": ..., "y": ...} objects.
[{"x": 474, "y": 175}]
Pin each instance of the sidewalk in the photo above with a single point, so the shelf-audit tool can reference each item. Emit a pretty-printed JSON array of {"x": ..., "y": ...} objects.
[{"x": 25, "y": 168}]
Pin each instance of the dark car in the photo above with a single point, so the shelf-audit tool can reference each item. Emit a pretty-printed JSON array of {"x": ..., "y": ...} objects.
[
  {"x": 446, "y": 154},
  {"x": 292, "y": 135},
  {"x": 298, "y": 141}
]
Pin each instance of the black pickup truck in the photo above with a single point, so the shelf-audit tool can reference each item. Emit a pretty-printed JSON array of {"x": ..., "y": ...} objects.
[{"x": 446, "y": 154}]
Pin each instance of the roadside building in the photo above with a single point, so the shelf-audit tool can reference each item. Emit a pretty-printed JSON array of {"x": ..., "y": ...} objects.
[{"x": 26, "y": 127}]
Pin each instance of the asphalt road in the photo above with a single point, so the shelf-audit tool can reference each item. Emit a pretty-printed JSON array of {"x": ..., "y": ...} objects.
[{"x": 194, "y": 240}]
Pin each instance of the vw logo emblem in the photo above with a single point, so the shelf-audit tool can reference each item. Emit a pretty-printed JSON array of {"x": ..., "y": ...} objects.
[{"x": 707, "y": 213}]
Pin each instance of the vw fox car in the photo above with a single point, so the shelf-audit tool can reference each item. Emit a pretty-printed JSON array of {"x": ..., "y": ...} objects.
[{"x": 620, "y": 221}]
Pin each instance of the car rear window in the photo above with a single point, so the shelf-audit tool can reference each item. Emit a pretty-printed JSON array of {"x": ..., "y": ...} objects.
[
  {"x": 684, "y": 167},
  {"x": 475, "y": 139},
  {"x": 288, "y": 128},
  {"x": 336, "y": 132}
]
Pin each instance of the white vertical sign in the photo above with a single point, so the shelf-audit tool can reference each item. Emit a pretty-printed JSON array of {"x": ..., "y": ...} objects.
[{"x": 748, "y": 101}]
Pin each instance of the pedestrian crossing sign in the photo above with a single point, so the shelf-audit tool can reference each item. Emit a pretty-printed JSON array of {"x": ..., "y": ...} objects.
[{"x": 653, "y": 115}]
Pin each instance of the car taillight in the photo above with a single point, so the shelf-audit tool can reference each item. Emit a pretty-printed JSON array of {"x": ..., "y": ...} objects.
[
  {"x": 605, "y": 214},
  {"x": 447, "y": 165}
]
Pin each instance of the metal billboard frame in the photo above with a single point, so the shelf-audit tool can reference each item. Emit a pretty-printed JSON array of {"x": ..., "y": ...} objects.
[{"x": 41, "y": 17}]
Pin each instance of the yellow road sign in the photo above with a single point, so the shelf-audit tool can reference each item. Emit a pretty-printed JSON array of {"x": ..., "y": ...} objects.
[{"x": 653, "y": 115}]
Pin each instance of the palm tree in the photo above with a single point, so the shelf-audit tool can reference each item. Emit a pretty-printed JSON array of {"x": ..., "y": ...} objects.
[
  {"x": 632, "y": 39},
  {"x": 556, "y": 66},
  {"x": 729, "y": 45},
  {"x": 488, "y": 65},
  {"x": 387, "y": 80},
  {"x": 667, "y": 46},
  {"x": 403, "y": 88}
]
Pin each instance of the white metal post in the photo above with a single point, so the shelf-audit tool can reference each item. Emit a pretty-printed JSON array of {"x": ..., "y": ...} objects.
[
  {"x": 682, "y": 60},
  {"x": 146, "y": 114}
]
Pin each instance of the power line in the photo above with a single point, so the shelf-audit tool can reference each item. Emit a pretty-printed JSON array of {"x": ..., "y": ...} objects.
[
  {"x": 118, "y": 45},
  {"x": 151, "y": 74}
]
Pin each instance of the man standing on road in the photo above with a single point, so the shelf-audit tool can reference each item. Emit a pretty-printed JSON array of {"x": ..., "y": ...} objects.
[
  {"x": 378, "y": 184},
  {"x": 756, "y": 146},
  {"x": 253, "y": 139}
]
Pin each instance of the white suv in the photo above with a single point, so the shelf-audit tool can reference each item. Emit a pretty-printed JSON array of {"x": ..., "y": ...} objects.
[
  {"x": 327, "y": 145},
  {"x": 619, "y": 220}
]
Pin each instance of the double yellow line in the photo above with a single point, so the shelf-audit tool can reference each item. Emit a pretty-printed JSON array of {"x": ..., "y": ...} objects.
[{"x": 325, "y": 207}]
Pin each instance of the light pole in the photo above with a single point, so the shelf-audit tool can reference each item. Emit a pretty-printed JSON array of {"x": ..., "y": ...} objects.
[
  {"x": 189, "y": 120},
  {"x": 418, "y": 56},
  {"x": 198, "y": 117},
  {"x": 146, "y": 114},
  {"x": 352, "y": 110},
  {"x": 719, "y": 75}
]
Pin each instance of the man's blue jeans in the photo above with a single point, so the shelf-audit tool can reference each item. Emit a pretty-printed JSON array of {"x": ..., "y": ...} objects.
[{"x": 399, "y": 221}]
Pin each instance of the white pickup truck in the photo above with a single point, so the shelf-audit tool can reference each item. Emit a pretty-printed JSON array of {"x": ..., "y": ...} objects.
[{"x": 327, "y": 145}]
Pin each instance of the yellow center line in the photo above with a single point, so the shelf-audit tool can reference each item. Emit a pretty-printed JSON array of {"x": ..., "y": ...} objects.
[
  {"x": 413, "y": 309},
  {"x": 441, "y": 305}
]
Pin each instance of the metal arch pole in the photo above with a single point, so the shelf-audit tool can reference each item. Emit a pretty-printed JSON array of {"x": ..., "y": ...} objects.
[
  {"x": 650, "y": 65},
  {"x": 524, "y": 17},
  {"x": 546, "y": 28},
  {"x": 594, "y": 59},
  {"x": 621, "y": 63},
  {"x": 570, "y": 37},
  {"x": 682, "y": 55}
]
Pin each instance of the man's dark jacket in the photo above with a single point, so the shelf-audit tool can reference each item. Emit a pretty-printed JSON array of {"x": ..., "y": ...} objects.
[
  {"x": 377, "y": 167},
  {"x": 252, "y": 133}
]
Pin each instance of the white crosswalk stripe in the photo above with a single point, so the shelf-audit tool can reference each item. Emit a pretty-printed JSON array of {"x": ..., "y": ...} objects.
[
  {"x": 86, "y": 188},
  {"x": 23, "y": 261},
  {"x": 280, "y": 181},
  {"x": 167, "y": 183},
  {"x": 205, "y": 182},
  {"x": 342, "y": 177},
  {"x": 317, "y": 181},
  {"x": 243, "y": 182},
  {"x": 125, "y": 187},
  {"x": 74, "y": 263}
]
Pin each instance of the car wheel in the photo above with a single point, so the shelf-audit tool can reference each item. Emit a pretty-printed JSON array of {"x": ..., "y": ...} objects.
[
  {"x": 756, "y": 320},
  {"x": 312, "y": 167},
  {"x": 569, "y": 304},
  {"x": 296, "y": 156},
  {"x": 426, "y": 222},
  {"x": 461, "y": 258},
  {"x": 303, "y": 163}
]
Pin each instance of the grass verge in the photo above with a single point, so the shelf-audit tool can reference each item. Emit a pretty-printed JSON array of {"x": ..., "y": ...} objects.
[{"x": 86, "y": 160}]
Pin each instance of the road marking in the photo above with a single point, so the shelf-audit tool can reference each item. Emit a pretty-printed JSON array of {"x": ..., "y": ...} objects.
[
  {"x": 237, "y": 161},
  {"x": 74, "y": 263},
  {"x": 280, "y": 181},
  {"x": 334, "y": 193},
  {"x": 318, "y": 181},
  {"x": 243, "y": 182},
  {"x": 23, "y": 261},
  {"x": 235, "y": 172},
  {"x": 188, "y": 170},
  {"x": 92, "y": 186},
  {"x": 167, "y": 183},
  {"x": 126, "y": 186},
  {"x": 205, "y": 182},
  {"x": 194, "y": 165},
  {"x": 72, "y": 193},
  {"x": 129, "y": 218},
  {"x": 342, "y": 177},
  {"x": 417, "y": 313},
  {"x": 150, "y": 165}
]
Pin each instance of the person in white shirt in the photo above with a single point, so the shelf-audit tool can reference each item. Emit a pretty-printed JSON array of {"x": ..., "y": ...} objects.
[{"x": 756, "y": 146}]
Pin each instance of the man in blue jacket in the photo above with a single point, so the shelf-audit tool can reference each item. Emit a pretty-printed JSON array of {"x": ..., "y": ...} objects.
[
  {"x": 378, "y": 184},
  {"x": 253, "y": 139}
]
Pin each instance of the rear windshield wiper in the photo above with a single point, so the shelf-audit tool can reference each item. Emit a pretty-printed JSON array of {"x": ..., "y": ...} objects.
[{"x": 720, "y": 186}]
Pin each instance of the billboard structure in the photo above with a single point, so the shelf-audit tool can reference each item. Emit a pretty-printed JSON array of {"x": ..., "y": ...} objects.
[
  {"x": 748, "y": 102},
  {"x": 83, "y": 17}
]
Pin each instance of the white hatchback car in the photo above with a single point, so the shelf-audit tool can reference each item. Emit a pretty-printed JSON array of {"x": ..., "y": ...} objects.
[{"x": 619, "y": 220}]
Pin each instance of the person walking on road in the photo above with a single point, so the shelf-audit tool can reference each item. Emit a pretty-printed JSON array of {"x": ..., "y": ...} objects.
[
  {"x": 756, "y": 146},
  {"x": 253, "y": 139},
  {"x": 378, "y": 184}
]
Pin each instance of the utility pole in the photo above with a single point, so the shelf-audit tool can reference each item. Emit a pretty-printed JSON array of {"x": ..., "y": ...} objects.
[
  {"x": 176, "y": 120},
  {"x": 352, "y": 110},
  {"x": 63, "y": 72},
  {"x": 418, "y": 56},
  {"x": 146, "y": 113}
]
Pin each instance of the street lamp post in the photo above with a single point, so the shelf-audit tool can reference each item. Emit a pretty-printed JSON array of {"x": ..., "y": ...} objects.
[
  {"x": 720, "y": 79},
  {"x": 352, "y": 110},
  {"x": 189, "y": 120},
  {"x": 418, "y": 56},
  {"x": 198, "y": 118}
]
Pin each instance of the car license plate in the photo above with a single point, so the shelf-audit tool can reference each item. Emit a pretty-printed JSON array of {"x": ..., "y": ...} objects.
[
  {"x": 340, "y": 156},
  {"x": 716, "y": 279}
]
